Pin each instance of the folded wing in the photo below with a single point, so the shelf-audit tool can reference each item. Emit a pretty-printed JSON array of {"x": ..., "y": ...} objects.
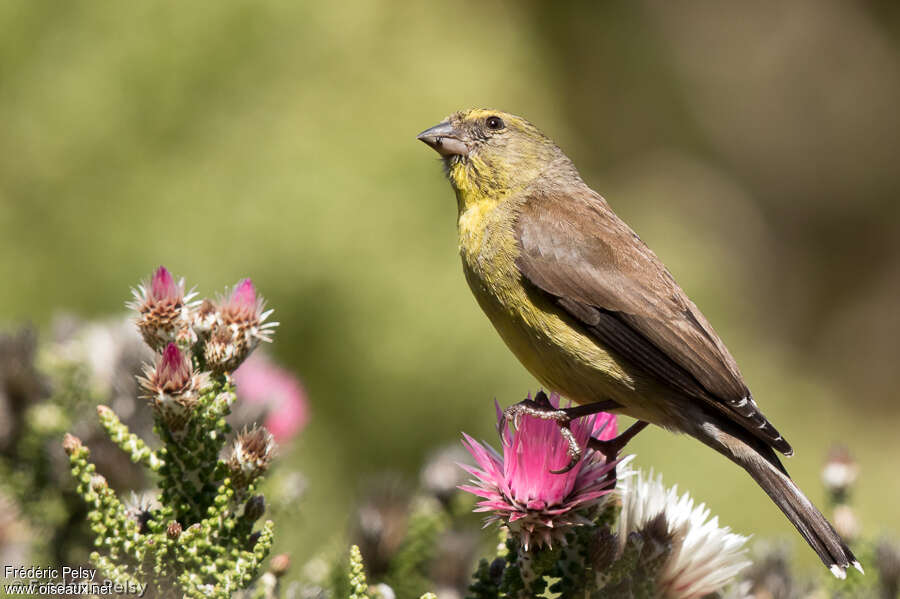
[{"x": 575, "y": 249}]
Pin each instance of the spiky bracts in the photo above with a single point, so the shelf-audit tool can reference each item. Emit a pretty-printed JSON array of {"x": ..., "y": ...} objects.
[
  {"x": 173, "y": 387},
  {"x": 664, "y": 546},
  {"x": 222, "y": 332},
  {"x": 236, "y": 327},
  {"x": 163, "y": 310},
  {"x": 701, "y": 556},
  {"x": 198, "y": 537},
  {"x": 250, "y": 456},
  {"x": 519, "y": 489}
]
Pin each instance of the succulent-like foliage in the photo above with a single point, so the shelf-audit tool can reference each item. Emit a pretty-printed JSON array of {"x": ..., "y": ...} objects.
[
  {"x": 199, "y": 537},
  {"x": 358, "y": 587}
]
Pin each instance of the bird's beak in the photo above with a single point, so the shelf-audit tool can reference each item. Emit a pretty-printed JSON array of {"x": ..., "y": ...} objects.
[{"x": 445, "y": 140}]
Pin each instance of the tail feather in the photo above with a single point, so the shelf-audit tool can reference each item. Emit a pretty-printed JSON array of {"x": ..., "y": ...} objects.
[
  {"x": 808, "y": 520},
  {"x": 760, "y": 461}
]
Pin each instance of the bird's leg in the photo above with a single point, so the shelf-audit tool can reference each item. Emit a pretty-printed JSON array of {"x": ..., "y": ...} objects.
[
  {"x": 610, "y": 448},
  {"x": 540, "y": 407}
]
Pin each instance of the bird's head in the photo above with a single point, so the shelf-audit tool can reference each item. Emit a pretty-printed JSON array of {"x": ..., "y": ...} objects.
[{"x": 490, "y": 154}]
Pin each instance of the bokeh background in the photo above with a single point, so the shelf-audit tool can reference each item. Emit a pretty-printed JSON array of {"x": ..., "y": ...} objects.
[{"x": 754, "y": 146}]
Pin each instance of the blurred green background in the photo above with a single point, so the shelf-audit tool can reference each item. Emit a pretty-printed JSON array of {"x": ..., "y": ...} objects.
[{"x": 754, "y": 146}]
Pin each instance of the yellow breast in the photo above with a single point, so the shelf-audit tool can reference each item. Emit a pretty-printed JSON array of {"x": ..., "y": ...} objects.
[{"x": 541, "y": 336}]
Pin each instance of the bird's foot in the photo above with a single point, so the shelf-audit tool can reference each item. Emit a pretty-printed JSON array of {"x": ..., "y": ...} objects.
[{"x": 540, "y": 407}]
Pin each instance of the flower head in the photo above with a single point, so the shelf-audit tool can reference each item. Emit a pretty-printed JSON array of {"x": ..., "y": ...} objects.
[
  {"x": 519, "y": 489},
  {"x": 239, "y": 326},
  {"x": 173, "y": 386},
  {"x": 703, "y": 557},
  {"x": 251, "y": 454},
  {"x": 262, "y": 382},
  {"x": 163, "y": 310},
  {"x": 840, "y": 472},
  {"x": 204, "y": 317}
]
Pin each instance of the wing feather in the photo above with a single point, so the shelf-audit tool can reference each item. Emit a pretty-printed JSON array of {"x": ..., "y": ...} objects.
[{"x": 574, "y": 248}]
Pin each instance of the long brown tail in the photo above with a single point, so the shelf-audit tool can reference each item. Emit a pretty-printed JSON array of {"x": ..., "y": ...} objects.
[{"x": 763, "y": 465}]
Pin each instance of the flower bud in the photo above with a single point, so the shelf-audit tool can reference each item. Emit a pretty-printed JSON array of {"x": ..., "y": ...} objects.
[
  {"x": 279, "y": 564},
  {"x": 163, "y": 310},
  {"x": 252, "y": 540},
  {"x": 250, "y": 455},
  {"x": 238, "y": 328},
  {"x": 173, "y": 530},
  {"x": 140, "y": 509},
  {"x": 204, "y": 317},
  {"x": 255, "y": 508},
  {"x": 98, "y": 483},
  {"x": 173, "y": 387},
  {"x": 71, "y": 444}
]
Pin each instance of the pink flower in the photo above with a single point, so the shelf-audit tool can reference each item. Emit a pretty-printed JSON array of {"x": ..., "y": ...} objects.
[
  {"x": 163, "y": 287},
  {"x": 163, "y": 310},
  {"x": 259, "y": 380},
  {"x": 173, "y": 387},
  {"x": 241, "y": 306},
  {"x": 173, "y": 370},
  {"x": 238, "y": 326},
  {"x": 519, "y": 489}
]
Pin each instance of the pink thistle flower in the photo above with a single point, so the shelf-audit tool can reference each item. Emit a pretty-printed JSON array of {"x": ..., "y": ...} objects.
[
  {"x": 261, "y": 381},
  {"x": 239, "y": 326},
  {"x": 163, "y": 310},
  {"x": 519, "y": 489},
  {"x": 173, "y": 387}
]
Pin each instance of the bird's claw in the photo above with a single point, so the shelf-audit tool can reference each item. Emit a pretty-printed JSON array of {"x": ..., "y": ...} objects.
[
  {"x": 539, "y": 407},
  {"x": 575, "y": 452}
]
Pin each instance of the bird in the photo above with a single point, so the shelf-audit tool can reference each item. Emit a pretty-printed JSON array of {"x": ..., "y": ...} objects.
[{"x": 592, "y": 313}]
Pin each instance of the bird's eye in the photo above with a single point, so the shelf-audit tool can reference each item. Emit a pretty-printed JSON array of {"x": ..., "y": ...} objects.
[{"x": 495, "y": 123}]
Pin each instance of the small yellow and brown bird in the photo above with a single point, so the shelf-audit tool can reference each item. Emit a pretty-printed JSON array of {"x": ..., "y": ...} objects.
[{"x": 594, "y": 315}]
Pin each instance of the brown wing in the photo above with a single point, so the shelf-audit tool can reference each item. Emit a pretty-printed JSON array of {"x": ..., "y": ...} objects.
[{"x": 574, "y": 248}]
